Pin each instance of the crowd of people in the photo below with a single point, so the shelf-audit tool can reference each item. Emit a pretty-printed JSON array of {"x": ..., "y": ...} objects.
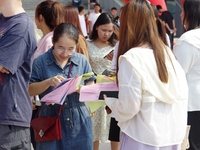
[{"x": 158, "y": 79}]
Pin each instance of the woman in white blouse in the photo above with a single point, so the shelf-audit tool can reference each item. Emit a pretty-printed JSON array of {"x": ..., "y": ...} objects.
[
  {"x": 187, "y": 52},
  {"x": 152, "y": 106}
]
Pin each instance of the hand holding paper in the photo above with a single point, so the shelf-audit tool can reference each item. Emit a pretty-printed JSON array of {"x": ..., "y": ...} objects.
[
  {"x": 92, "y": 92},
  {"x": 66, "y": 87}
]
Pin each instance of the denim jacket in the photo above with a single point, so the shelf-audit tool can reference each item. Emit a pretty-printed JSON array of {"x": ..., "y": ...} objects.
[{"x": 45, "y": 66}]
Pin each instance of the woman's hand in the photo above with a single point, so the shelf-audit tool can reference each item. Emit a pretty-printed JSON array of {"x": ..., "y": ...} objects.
[
  {"x": 78, "y": 90},
  {"x": 108, "y": 110},
  {"x": 33, "y": 107},
  {"x": 54, "y": 81},
  {"x": 4, "y": 70},
  {"x": 109, "y": 56}
]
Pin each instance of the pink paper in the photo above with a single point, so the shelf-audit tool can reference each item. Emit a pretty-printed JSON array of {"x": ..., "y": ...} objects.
[
  {"x": 91, "y": 92},
  {"x": 59, "y": 92}
]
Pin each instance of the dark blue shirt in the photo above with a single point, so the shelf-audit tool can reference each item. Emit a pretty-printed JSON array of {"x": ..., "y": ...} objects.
[{"x": 17, "y": 46}]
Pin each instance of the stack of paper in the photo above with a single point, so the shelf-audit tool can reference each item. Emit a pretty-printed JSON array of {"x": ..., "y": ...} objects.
[
  {"x": 93, "y": 94},
  {"x": 66, "y": 87},
  {"x": 59, "y": 94}
]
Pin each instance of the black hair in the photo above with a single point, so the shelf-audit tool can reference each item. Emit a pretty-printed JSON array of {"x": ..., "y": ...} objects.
[
  {"x": 160, "y": 25},
  {"x": 191, "y": 13},
  {"x": 80, "y": 8},
  {"x": 97, "y": 4},
  {"x": 155, "y": 11},
  {"x": 65, "y": 29},
  {"x": 104, "y": 18},
  {"x": 158, "y": 7},
  {"x": 113, "y": 8}
]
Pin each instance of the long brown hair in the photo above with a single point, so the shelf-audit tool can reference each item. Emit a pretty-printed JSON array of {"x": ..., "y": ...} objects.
[
  {"x": 71, "y": 16},
  {"x": 138, "y": 28}
]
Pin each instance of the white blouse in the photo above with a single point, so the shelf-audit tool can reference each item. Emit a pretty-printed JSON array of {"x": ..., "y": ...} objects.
[
  {"x": 187, "y": 52},
  {"x": 149, "y": 111}
]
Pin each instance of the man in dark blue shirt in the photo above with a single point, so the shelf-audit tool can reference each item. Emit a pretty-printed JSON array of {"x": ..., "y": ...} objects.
[{"x": 17, "y": 46}]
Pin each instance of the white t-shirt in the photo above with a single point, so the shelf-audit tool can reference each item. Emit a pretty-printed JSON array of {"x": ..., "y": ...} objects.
[
  {"x": 83, "y": 25},
  {"x": 93, "y": 17}
]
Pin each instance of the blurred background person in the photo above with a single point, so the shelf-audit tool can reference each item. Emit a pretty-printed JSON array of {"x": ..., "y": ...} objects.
[
  {"x": 71, "y": 17},
  {"x": 48, "y": 14},
  {"x": 161, "y": 27},
  {"x": 81, "y": 16},
  {"x": 169, "y": 21},
  {"x": 102, "y": 42},
  {"x": 87, "y": 22},
  {"x": 187, "y": 52},
  {"x": 76, "y": 3},
  {"x": 93, "y": 17},
  {"x": 113, "y": 12}
]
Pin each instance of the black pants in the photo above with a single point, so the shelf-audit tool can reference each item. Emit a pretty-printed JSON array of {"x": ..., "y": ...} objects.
[
  {"x": 194, "y": 135},
  {"x": 114, "y": 132},
  {"x": 171, "y": 38}
]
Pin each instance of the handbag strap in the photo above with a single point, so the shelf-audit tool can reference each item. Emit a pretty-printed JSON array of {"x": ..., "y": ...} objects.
[
  {"x": 68, "y": 76},
  {"x": 60, "y": 109}
]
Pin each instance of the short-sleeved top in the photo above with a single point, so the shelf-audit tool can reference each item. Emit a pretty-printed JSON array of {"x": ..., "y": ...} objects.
[
  {"x": 167, "y": 18},
  {"x": 83, "y": 24},
  {"x": 44, "y": 44},
  {"x": 17, "y": 46},
  {"x": 96, "y": 57},
  {"x": 93, "y": 17},
  {"x": 45, "y": 66}
]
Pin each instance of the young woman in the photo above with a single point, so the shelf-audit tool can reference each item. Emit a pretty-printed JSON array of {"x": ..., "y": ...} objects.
[
  {"x": 101, "y": 43},
  {"x": 187, "y": 52},
  {"x": 48, "y": 15},
  {"x": 46, "y": 74},
  {"x": 71, "y": 16},
  {"x": 152, "y": 106}
]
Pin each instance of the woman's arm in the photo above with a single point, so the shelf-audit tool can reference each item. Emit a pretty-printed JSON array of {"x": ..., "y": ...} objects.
[
  {"x": 186, "y": 54},
  {"x": 39, "y": 87},
  {"x": 130, "y": 93}
]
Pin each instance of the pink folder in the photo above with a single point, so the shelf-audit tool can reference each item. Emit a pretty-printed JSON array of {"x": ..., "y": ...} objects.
[{"x": 91, "y": 92}]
